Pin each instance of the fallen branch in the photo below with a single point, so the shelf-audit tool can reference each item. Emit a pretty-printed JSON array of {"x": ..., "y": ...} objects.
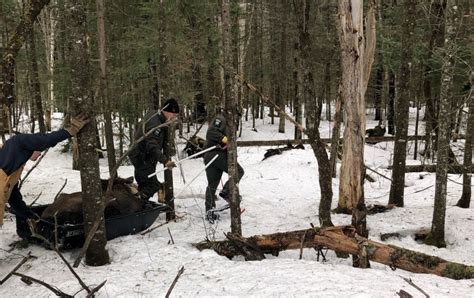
[
  {"x": 53, "y": 289},
  {"x": 411, "y": 283},
  {"x": 54, "y": 247},
  {"x": 452, "y": 169},
  {"x": 344, "y": 239},
  {"x": 181, "y": 270},
  {"x": 23, "y": 261}
]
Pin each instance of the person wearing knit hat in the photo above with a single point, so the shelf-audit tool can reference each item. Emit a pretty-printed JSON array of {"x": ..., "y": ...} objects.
[{"x": 151, "y": 150}]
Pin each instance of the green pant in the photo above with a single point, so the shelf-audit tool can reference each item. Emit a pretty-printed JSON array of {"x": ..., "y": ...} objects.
[{"x": 214, "y": 174}]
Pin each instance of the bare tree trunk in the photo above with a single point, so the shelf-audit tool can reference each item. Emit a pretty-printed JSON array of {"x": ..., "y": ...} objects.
[
  {"x": 229, "y": 109},
  {"x": 8, "y": 62},
  {"x": 282, "y": 85},
  {"x": 436, "y": 236},
  {"x": 169, "y": 150},
  {"x": 397, "y": 188},
  {"x": 48, "y": 22},
  {"x": 82, "y": 100},
  {"x": 431, "y": 77},
  {"x": 391, "y": 103},
  {"x": 335, "y": 134},
  {"x": 103, "y": 89},
  {"x": 35, "y": 83},
  {"x": 466, "y": 196},
  {"x": 314, "y": 107},
  {"x": 356, "y": 61}
]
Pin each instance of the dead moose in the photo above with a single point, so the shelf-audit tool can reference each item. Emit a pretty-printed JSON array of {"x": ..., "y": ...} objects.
[{"x": 124, "y": 200}]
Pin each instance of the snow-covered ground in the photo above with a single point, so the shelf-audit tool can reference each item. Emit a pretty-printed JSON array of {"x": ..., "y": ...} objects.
[{"x": 279, "y": 194}]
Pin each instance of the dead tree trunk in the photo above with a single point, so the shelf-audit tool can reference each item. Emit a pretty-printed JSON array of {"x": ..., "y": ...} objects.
[
  {"x": 357, "y": 55},
  {"x": 340, "y": 239}
]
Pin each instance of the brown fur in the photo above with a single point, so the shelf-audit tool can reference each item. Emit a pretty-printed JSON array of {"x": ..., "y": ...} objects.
[{"x": 123, "y": 201}]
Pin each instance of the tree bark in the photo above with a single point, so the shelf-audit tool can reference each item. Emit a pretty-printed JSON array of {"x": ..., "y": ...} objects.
[
  {"x": 452, "y": 169},
  {"x": 397, "y": 187},
  {"x": 436, "y": 236},
  {"x": 230, "y": 102},
  {"x": 466, "y": 196},
  {"x": 8, "y": 62},
  {"x": 340, "y": 239},
  {"x": 103, "y": 89},
  {"x": 82, "y": 101},
  {"x": 35, "y": 83},
  {"x": 314, "y": 107}
]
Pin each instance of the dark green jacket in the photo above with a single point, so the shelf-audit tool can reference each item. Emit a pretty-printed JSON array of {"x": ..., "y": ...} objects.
[
  {"x": 217, "y": 130},
  {"x": 151, "y": 148}
]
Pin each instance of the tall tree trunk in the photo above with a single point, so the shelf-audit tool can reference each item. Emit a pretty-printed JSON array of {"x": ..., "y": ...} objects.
[
  {"x": 169, "y": 186},
  {"x": 314, "y": 108},
  {"x": 82, "y": 101},
  {"x": 335, "y": 134},
  {"x": 283, "y": 69},
  {"x": 48, "y": 22},
  {"x": 35, "y": 83},
  {"x": 391, "y": 103},
  {"x": 436, "y": 236},
  {"x": 431, "y": 77},
  {"x": 397, "y": 188},
  {"x": 8, "y": 62},
  {"x": 230, "y": 102},
  {"x": 466, "y": 196},
  {"x": 103, "y": 89},
  {"x": 357, "y": 55}
]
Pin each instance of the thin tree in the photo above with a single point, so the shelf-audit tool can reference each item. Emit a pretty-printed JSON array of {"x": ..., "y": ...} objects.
[
  {"x": 397, "y": 188},
  {"x": 35, "y": 82},
  {"x": 82, "y": 100},
  {"x": 314, "y": 107},
  {"x": 436, "y": 236},
  {"x": 8, "y": 62},
  {"x": 230, "y": 102},
  {"x": 103, "y": 87},
  {"x": 466, "y": 196}
]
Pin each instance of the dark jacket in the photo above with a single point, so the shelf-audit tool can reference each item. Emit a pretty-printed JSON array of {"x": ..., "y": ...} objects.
[
  {"x": 16, "y": 152},
  {"x": 217, "y": 130},
  {"x": 18, "y": 149},
  {"x": 151, "y": 148}
]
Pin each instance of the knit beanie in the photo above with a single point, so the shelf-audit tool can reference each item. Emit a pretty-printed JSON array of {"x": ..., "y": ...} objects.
[{"x": 171, "y": 105}]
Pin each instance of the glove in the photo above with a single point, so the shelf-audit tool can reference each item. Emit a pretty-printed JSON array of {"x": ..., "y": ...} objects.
[
  {"x": 224, "y": 140},
  {"x": 170, "y": 164},
  {"x": 77, "y": 123}
]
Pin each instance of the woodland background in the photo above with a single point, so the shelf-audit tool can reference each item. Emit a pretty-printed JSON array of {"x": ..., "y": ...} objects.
[{"x": 115, "y": 62}]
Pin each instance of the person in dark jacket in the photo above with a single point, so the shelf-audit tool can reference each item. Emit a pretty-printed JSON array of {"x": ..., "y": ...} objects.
[
  {"x": 15, "y": 153},
  {"x": 217, "y": 136},
  {"x": 148, "y": 152}
]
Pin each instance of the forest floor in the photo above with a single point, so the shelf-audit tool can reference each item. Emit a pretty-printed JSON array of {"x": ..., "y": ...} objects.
[{"x": 279, "y": 194}]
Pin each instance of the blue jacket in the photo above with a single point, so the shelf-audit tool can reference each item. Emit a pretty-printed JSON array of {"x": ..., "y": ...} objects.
[{"x": 16, "y": 151}]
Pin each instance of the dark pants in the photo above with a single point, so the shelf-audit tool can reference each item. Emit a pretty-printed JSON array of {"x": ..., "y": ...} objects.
[
  {"x": 146, "y": 186},
  {"x": 214, "y": 174}
]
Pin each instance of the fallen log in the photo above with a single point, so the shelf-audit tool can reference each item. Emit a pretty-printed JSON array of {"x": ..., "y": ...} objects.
[
  {"x": 452, "y": 169},
  {"x": 340, "y": 239},
  {"x": 369, "y": 140}
]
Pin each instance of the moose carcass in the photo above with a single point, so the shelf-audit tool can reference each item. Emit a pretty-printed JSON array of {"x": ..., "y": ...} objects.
[
  {"x": 123, "y": 200},
  {"x": 62, "y": 221}
]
